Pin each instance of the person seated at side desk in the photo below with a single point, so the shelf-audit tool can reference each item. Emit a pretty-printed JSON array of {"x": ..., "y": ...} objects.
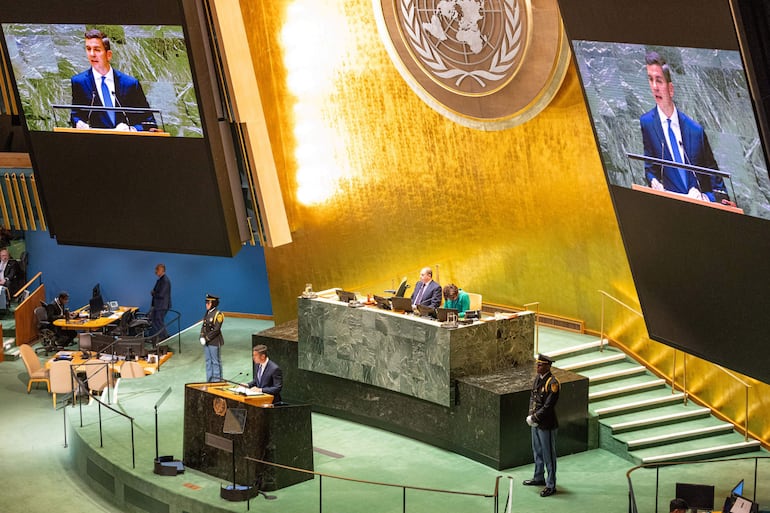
[
  {"x": 268, "y": 376},
  {"x": 456, "y": 298},
  {"x": 58, "y": 310}
]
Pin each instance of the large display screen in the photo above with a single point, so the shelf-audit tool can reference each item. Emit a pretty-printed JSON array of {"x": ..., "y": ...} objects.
[
  {"x": 125, "y": 123},
  {"x": 682, "y": 143},
  {"x": 52, "y": 66}
]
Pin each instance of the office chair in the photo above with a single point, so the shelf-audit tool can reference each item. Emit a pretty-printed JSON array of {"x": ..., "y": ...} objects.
[
  {"x": 45, "y": 329},
  {"x": 401, "y": 288}
]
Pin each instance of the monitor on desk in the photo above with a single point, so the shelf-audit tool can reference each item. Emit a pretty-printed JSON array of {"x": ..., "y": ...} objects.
[
  {"x": 697, "y": 496},
  {"x": 130, "y": 346},
  {"x": 402, "y": 304},
  {"x": 96, "y": 303},
  {"x": 443, "y": 313},
  {"x": 426, "y": 311},
  {"x": 382, "y": 302},
  {"x": 102, "y": 343},
  {"x": 346, "y": 296}
]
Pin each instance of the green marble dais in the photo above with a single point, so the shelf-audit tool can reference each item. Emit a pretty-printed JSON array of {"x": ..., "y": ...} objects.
[{"x": 405, "y": 353}]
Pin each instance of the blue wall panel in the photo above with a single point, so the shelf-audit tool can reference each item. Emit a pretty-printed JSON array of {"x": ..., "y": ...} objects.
[{"x": 128, "y": 276}]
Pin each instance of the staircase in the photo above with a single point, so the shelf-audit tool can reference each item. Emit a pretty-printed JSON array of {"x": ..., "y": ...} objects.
[{"x": 639, "y": 417}]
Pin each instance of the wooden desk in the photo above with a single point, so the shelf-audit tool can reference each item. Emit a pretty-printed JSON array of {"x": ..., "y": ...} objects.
[
  {"x": 77, "y": 360},
  {"x": 222, "y": 390},
  {"x": 87, "y": 324},
  {"x": 686, "y": 198}
]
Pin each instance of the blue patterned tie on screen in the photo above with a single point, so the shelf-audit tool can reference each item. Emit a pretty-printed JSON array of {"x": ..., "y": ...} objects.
[
  {"x": 108, "y": 101},
  {"x": 259, "y": 374},
  {"x": 675, "y": 152}
]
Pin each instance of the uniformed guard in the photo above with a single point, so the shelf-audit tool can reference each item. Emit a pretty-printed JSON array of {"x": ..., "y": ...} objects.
[
  {"x": 211, "y": 338},
  {"x": 544, "y": 424}
]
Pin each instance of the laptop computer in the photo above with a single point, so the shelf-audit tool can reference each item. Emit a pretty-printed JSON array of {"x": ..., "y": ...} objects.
[
  {"x": 401, "y": 304},
  {"x": 426, "y": 311},
  {"x": 345, "y": 296},
  {"x": 382, "y": 302},
  {"x": 441, "y": 313}
]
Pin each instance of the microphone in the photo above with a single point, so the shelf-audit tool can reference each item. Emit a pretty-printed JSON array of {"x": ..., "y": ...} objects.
[
  {"x": 233, "y": 380},
  {"x": 93, "y": 99},
  {"x": 116, "y": 102},
  {"x": 688, "y": 161}
]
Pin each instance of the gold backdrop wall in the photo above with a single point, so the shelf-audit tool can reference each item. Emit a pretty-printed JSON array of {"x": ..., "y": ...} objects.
[
  {"x": 377, "y": 184},
  {"x": 518, "y": 215}
]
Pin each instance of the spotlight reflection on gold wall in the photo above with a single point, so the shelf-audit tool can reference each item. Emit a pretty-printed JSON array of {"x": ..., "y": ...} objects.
[{"x": 314, "y": 42}]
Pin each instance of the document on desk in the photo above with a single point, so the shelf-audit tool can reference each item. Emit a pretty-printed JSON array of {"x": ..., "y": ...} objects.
[{"x": 244, "y": 391}]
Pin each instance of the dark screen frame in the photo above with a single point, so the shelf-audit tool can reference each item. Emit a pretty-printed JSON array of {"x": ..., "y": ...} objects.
[
  {"x": 701, "y": 274},
  {"x": 144, "y": 193}
]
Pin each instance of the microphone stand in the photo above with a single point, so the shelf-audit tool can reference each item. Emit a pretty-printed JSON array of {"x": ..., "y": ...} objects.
[
  {"x": 164, "y": 465},
  {"x": 688, "y": 161},
  {"x": 125, "y": 116},
  {"x": 91, "y": 110}
]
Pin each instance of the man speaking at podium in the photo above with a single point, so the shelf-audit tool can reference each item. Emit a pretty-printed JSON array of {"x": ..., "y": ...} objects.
[
  {"x": 672, "y": 135},
  {"x": 104, "y": 86}
]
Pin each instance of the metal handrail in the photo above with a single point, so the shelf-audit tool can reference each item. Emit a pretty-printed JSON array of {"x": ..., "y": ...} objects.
[
  {"x": 494, "y": 495},
  {"x": 683, "y": 387},
  {"x": 604, "y": 294},
  {"x": 747, "y": 387},
  {"x": 632, "y": 507},
  {"x": 536, "y": 304}
]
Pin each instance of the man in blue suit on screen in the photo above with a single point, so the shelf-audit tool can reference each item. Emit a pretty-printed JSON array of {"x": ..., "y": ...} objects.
[
  {"x": 104, "y": 86},
  {"x": 671, "y": 135}
]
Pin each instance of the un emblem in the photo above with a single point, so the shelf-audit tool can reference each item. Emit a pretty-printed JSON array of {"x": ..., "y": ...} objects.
[{"x": 486, "y": 64}]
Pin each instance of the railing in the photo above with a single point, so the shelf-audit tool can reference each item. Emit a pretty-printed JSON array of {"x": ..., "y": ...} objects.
[
  {"x": 23, "y": 291},
  {"x": 674, "y": 386},
  {"x": 746, "y": 387},
  {"x": 174, "y": 319},
  {"x": 536, "y": 304},
  {"x": 81, "y": 385},
  {"x": 602, "y": 338},
  {"x": 684, "y": 476},
  {"x": 494, "y": 495}
]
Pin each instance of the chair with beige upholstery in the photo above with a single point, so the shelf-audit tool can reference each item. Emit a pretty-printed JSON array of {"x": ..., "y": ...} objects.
[
  {"x": 97, "y": 375},
  {"x": 62, "y": 382},
  {"x": 475, "y": 300},
  {"x": 131, "y": 370},
  {"x": 37, "y": 373}
]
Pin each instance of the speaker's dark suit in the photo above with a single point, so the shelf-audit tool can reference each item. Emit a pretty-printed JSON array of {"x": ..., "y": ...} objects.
[
  {"x": 697, "y": 151},
  {"x": 271, "y": 382},
  {"x": 128, "y": 92},
  {"x": 431, "y": 296}
]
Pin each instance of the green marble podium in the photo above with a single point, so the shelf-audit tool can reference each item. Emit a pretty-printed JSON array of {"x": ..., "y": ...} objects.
[
  {"x": 406, "y": 353},
  {"x": 484, "y": 420}
]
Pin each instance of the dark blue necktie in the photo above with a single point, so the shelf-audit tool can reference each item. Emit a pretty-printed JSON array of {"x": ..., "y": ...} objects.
[
  {"x": 675, "y": 152},
  {"x": 108, "y": 101}
]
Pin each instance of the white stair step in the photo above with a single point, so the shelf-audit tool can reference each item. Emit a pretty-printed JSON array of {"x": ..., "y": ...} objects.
[
  {"x": 636, "y": 405},
  {"x": 659, "y": 419},
  {"x": 614, "y": 357},
  {"x": 626, "y": 389},
  {"x": 561, "y": 353},
  {"x": 679, "y": 435},
  {"x": 685, "y": 455},
  {"x": 633, "y": 371}
]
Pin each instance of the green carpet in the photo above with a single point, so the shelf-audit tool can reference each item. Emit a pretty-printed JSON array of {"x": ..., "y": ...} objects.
[{"x": 38, "y": 476}]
